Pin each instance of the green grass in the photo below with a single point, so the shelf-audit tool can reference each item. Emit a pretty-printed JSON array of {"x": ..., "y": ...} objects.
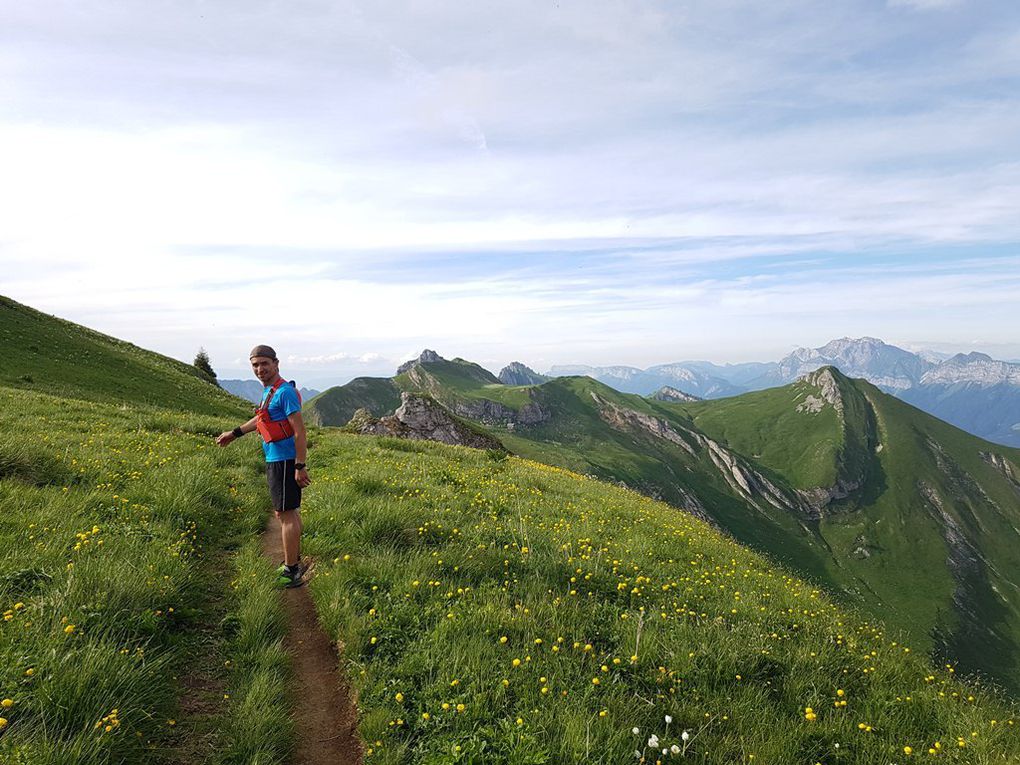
[
  {"x": 259, "y": 730},
  {"x": 114, "y": 517},
  {"x": 49, "y": 355},
  {"x": 337, "y": 405},
  {"x": 804, "y": 446},
  {"x": 882, "y": 548},
  {"x": 431, "y": 555}
]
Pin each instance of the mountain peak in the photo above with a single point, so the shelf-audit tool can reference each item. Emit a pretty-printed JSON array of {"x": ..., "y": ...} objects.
[
  {"x": 674, "y": 395},
  {"x": 517, "y": 373},
  {"x": 967, "y": 358},
  {"x": 425, "y": 357}
]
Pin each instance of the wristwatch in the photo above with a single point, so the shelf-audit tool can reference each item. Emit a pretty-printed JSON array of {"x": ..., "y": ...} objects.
[{"x": 299, "y": 466}]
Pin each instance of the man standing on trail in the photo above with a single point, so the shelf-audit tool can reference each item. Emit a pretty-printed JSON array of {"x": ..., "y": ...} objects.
[{"x": 278, "y": 421}]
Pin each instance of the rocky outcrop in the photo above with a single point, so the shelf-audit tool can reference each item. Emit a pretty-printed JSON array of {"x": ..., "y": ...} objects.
[
  {"x": 742, "y": 478},
  {"x": 422, "y": 418},
  {"x": 965, "y": 563},
  {"x": 673, "y": 395},
  {"x": 1004, "y": 466},
  {"x": 424, "y": 357},
  {"x": 822, "y": 496},
  {"x": 828, "y": 391},
  {"x": 516, "y": 373},
  {"x": 495, "y": 414}
]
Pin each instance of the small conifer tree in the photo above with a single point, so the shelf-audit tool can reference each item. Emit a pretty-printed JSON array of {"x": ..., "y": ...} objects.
[{"x": 202, "y": 365}]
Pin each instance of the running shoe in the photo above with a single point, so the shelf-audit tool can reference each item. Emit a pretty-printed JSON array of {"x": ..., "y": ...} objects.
[{"x": 283, "y": 579}]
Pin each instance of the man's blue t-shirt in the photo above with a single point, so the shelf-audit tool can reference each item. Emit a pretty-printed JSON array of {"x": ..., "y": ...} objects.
[{"x": 285, "y": 402}]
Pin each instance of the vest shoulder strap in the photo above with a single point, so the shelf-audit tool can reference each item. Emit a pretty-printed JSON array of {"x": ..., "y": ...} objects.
[{"x": 269, "y": 397}]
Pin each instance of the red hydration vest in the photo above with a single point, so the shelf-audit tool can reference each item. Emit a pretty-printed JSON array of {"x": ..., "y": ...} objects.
[{"x": 273, "y": 430}]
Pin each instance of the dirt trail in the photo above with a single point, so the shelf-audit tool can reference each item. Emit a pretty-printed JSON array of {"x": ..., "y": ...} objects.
[{"x": 325, "y": 718}]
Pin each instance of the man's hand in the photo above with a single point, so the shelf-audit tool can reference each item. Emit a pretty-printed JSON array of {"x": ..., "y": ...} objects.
[
  {"x": 225, "y": 438},
  {"x": 301, "y": 476}
]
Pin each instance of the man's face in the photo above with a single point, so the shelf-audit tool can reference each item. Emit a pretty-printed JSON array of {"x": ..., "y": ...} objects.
[{"x": 265, "y": 368}]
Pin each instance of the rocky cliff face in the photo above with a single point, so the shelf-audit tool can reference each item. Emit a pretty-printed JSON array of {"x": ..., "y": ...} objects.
[
  {"x": 421, "y": 418},
  {"x": 516, "y": 373},
  {"x": 1004, "y": 466},
  {"x": 884, "y": 365},
  {"x": 977, "y": 368},
  {"x": 494, "y": 414},
  {"x": 828, "y": 390}
]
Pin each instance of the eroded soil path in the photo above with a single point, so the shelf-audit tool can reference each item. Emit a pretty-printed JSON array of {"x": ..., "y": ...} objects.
[{"x": 324, "y": 714}]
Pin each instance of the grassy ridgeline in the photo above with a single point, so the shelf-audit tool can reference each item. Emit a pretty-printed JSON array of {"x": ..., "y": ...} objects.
[
  {"x": 46, "y": 354},
  {"x": 114, "y": 520},
  {"x": 499, "y": 610}
]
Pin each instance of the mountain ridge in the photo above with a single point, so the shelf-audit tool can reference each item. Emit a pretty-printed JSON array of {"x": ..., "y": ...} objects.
[
  {"x": 807, "y": 472},
  {"x": 972, "y": 391}
]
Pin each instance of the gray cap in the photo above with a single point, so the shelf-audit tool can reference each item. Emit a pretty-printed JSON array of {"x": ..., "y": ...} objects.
[{"x": 262, "y": 350}]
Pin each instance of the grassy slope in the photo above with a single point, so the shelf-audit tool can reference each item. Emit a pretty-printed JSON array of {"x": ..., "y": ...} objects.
[
  {"x": 756, "y": 424},
  {"x": 51, "y": 355},
  {"x": 905, "y": 567},
  {"x": 441, "y": 568},
  {"x": 905, "y": 575},
  {"x": 120, "y": 518},
  {"x": 112, "y": 515},
  {"x": 337, "y": 405},
  {"x": 578, "y": 439},
  {"x": 909, "y": 564}
]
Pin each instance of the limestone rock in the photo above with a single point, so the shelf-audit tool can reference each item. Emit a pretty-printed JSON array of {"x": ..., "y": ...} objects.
[
  {"x": 422, "y": 418},
  {"x": 424, "y": 357}
]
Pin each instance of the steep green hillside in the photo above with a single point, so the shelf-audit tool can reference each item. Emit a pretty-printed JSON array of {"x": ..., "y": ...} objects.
[
  {"x": 923, "y": 515},
  {"x": 503, "y": 611},
  {"x": 336, "y": 406},
  {"x": 50, "y": 355}
]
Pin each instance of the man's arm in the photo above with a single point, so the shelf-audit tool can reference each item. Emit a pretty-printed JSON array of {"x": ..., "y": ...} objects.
[
  {"x": 227, "y": 436},
  {"x": 300, "y": 448}
]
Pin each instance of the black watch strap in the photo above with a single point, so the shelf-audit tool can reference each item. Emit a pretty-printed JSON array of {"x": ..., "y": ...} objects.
[{"x": 299, "y": 466}]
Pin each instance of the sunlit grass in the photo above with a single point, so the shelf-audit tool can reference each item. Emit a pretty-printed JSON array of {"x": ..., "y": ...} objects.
[
  {"x": 110, "y": 516},
  {"x": 503, "y": 611}
]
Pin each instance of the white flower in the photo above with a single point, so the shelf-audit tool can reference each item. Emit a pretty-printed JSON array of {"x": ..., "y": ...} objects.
[
  {"x": 665, "y": 751},
  {"x": 675, "y": 749},
  {"x": 668, "y": 719},
  {"x": 637, "y": 754},
  {"x": 635, "y": 731},
  {"x": 685, "y": 736},
  {"x": 653, "y": 742}
]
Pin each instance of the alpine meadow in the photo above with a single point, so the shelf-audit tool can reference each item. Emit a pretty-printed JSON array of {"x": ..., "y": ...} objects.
[{"x": 512, "y": 604}]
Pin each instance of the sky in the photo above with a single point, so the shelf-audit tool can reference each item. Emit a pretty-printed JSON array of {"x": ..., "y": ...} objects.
[{"x": 551, "y": 182}]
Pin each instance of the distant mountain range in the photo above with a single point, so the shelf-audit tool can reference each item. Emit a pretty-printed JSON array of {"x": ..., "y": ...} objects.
[
  {"x": 899, "y": 512},
  {"x": 972, "y": 391},
  {"x": 252, "y": 390}
]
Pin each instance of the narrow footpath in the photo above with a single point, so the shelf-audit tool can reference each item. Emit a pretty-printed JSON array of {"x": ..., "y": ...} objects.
[{"x": 324, "y": 714}]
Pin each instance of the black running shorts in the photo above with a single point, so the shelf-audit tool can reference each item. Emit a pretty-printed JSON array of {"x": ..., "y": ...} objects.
[{"x": 283, "y": 489}]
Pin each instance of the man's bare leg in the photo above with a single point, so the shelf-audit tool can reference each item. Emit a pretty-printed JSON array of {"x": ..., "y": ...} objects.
[{"x": 290, "y": 535}]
